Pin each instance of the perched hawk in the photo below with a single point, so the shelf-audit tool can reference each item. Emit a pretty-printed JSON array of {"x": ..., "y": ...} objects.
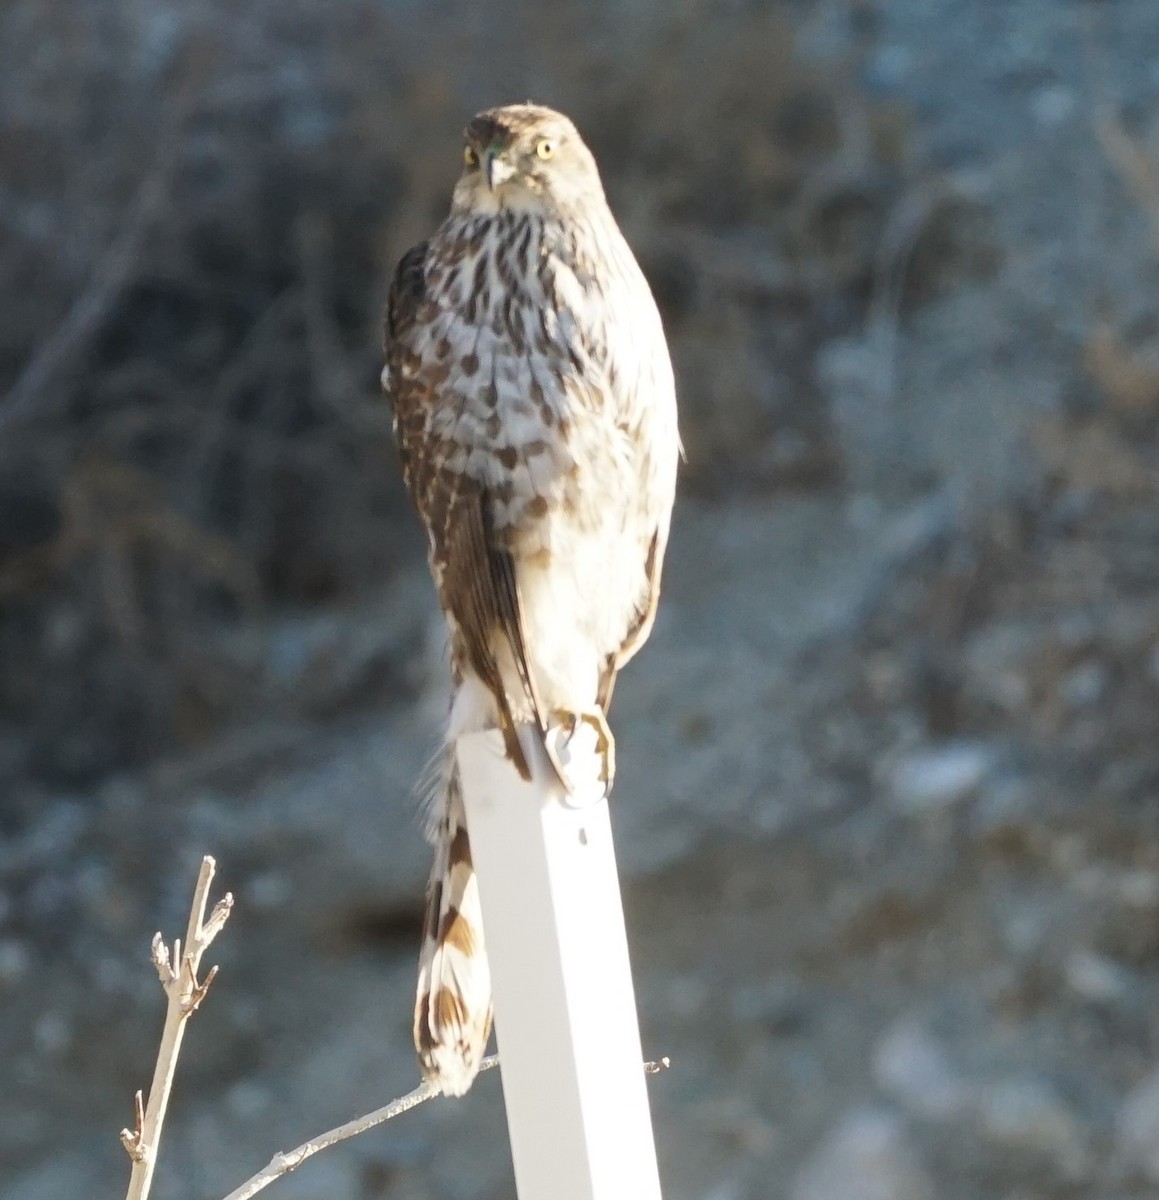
[{"x": 536, "y": 422}]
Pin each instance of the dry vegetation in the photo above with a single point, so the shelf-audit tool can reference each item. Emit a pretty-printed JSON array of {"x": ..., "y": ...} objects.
[
  {"x": 200, "y": 205},
  {"x": 200, "y": 208}
]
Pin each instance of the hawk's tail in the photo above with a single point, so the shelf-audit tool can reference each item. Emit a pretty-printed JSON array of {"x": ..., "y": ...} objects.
[{"x": 453, "y": 1005}]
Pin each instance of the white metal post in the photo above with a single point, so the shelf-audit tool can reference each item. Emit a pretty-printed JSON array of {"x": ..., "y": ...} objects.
[{"x": 565, "y": 1010}]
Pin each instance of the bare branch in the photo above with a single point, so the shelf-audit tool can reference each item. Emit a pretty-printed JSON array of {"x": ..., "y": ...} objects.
[
  {"x": 289, "y": 1160},
  {"x": 177, "y": 971},
  {"x": 110, "y": 278},
  {"x": 335, "y": 383},
  {"x": 217, "y": 920},
  {"x": 1138, "y": 172},
  {"x": 131, "y": 1138},
  {"x": 35, "y": 395}
]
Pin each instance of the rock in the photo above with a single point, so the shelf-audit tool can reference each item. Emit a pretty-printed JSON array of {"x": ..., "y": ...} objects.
[
  {"x": 1025, "y": 927},
  {"x": 781, "y": 1007},
  {"x": 848, "y": 371},
  {"x": 1138, "y": 888},
  {"x": 890, "y": 66},
  {"x": 938, "y": 777},
  {"x": 911, "y": 1068},
  {"x": 1095, "y": 977},
  {"x": 1005, "y": 807},
  {"x": 1085, "y": 686},
  {"x": 1027, "y": 1113},
  {"x": 1052, "y": 105},
  {"x": 867, "y": 1156},
  {"x": 996, "y": 665},
  {"x": 14, "y": 960},
  {"x": 729, "y": 1189},
  {"x": 1137, "y": 1126},
  {"x": 52, "y": 1033}
]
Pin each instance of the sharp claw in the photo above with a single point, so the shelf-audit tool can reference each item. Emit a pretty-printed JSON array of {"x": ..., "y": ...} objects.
[
  {"x": 605, "y": 746},
  {"x": 560, "y": 770}
]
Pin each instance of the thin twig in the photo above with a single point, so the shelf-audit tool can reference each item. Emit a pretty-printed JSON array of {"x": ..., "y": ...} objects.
[
  {"x": 906, "y": 222},
  {"x": 334, "y": 378},
  {"x": 289, "y": 1160},
  {"x": 111, "y": 277},
  {"x": 36, "y": 395},
  {"x": 1138, "y": 172},
  {"x": 178, "y": 974}
]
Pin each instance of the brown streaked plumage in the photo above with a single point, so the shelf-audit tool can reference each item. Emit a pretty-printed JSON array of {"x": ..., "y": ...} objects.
[{"x": 536, "y": 421}]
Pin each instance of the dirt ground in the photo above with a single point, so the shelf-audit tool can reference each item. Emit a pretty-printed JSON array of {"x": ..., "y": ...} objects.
[{"x": 886, "y": 803}]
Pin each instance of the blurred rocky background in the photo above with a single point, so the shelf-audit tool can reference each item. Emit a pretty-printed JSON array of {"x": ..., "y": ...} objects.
[{"x": 888, "y": 769}]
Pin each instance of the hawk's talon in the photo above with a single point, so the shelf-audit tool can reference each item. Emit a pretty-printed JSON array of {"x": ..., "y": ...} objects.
[
  {"x": 557, "y": 763},
  {"x": 605, "y": 746}
]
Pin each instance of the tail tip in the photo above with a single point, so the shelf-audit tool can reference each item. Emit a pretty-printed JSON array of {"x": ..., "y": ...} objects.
[{"x": 448, "y": 1069}]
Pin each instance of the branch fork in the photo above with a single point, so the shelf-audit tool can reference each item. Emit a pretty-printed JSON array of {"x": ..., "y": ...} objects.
[
  {"x": 178, "y": 971},
  {"x": 180, "y": 983}
]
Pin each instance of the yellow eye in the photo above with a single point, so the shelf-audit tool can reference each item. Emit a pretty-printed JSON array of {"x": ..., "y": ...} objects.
[
  {"x": 470, "y": 157},
  {"x": 544, "y": 148}
]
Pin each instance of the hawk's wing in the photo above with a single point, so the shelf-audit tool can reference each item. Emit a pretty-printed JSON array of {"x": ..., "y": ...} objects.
[
  {"x": 641, "y": 626},
  {"x": 474, "y": 574}
]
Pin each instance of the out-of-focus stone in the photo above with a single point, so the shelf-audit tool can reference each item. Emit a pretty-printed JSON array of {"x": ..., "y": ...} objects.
[
  {"x": 867, "y": 1156},
  {"x": 939, "y": 777},
  {"x": 910, "y": 1066},
  {"x": 14, "y": 960},
  {"x": 1137, "y": 1126},
  {"x": 1027, "y": 1113},
  {"x": 1095, "y": 977},
  {"x": 1085, "y": 686}
]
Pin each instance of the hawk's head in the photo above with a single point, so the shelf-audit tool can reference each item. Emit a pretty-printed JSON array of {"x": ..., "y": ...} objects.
[{"x": 524, "y": 157}]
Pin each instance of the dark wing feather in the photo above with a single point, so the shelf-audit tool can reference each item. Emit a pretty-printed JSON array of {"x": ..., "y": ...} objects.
[
  {"x": 475, "y": 575},
  {"x": 479, "y": 588},
  {"x": 407, "y": 291},
  {"x": 404, "y": 300}
]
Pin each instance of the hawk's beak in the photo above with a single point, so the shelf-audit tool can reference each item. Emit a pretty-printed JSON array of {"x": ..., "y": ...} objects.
[{"x": 499, "y": 170}]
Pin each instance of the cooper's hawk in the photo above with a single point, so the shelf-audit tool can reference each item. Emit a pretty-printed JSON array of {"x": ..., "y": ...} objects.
[{"x": 535, "y": 414}]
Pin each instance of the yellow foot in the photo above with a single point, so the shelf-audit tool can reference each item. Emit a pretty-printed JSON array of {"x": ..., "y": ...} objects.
[{"x": 562, "y": 750}]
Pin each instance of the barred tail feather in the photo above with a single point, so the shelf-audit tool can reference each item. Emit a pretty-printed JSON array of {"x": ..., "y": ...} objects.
[{"x": 453, "y": 1005}]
